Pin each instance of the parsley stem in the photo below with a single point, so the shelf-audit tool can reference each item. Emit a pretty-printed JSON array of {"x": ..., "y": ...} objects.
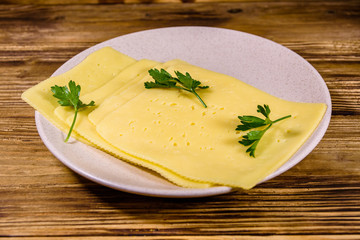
[
  {"x": 197, "y": 95},
  {"x": 183, "y": 88},
  {"x": 72, "y": 125},
  {"x": 267, "y": 128},
  {"x": 277, "y": 120}
]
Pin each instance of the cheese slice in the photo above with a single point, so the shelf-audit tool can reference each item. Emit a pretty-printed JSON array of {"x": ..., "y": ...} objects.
[
  {"x": 130, "y": 76},
  {"x": 127, "y": 76},
  {"x": 170, "y": 128},
  {"x": 95, "y": 70},
  {"x": 127, "y": 92}
]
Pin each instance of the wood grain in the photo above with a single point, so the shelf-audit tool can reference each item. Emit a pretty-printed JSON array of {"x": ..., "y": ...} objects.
[
  {"x": 111, "y": 2},
  {"x": 42, "y": 199}
]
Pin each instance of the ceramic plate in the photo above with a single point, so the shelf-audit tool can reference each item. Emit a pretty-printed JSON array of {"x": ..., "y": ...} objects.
[{"x": 255, "y": 60}]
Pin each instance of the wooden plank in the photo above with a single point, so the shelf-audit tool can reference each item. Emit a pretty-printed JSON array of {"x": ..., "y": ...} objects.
[
  {"x": 276, "y": 20},
  {"x": 102, "y": 2},
  {"x": 223, "y": 237}
]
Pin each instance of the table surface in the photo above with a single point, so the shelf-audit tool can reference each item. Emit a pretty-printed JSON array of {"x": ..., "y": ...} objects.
[{"x": 41, "y": 198}]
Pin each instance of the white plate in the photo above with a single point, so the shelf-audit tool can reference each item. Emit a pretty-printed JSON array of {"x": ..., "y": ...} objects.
[{"x": 255, "y": 60}]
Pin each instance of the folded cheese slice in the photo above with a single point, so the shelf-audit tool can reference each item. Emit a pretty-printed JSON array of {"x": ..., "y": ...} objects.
[
  {"x": 94, "y": 71},
  {"x": 170, "y": 128}
]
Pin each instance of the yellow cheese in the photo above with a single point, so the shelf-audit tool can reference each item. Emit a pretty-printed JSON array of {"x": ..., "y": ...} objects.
[
  {"x": 87, "y": 130},
  {"x": 98, "y": 68},
  {"x": 171, "y": 128},
  {"x": 127, "y": 76},
  {"x": 130, "y": 76},
  {"x": 102, "y": 74},
  {"x": 127, "y": 92},
  {"x": 168, "y": 130}
]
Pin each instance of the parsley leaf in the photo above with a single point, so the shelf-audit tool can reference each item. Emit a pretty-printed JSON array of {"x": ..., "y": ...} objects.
[
  {"x": 70, "y": 97},
  {"x": 252, "y": 138},
  {"x": 163, "y": 79}
]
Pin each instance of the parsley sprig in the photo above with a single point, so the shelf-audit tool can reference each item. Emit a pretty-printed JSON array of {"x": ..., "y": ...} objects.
[
  {"x": 70, "y": 97},
  {"x": 252, "y": 138},
  {"x": 163, "y": 79}
]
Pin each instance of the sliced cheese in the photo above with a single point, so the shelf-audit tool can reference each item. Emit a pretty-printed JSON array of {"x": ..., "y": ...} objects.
[
  {"x": 168, "y": 130},
  {"x": 127, "y": 76},
  {"x": 95, "y": 70},
  {"x": 127, "y": 92},
  {"x": 130, "y": 76},
  {"x": 171, "y": 128}
]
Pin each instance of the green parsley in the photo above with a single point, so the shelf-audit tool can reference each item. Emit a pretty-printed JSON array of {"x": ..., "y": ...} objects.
[
  {"x": 70, "y": 97},
  {"x": 163, "y": 79},
  {"x": 252, "y": 138}
]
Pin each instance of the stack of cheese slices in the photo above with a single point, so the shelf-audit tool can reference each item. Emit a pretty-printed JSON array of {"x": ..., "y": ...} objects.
[{"x": 168, "y": 130}]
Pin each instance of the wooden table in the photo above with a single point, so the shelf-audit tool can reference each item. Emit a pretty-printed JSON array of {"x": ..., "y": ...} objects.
[{"x": 41, "y": 198}]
